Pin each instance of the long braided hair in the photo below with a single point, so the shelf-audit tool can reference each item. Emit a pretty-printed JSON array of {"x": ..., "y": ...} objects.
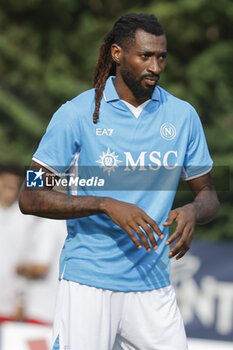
[{"x": 122, "y": 34}]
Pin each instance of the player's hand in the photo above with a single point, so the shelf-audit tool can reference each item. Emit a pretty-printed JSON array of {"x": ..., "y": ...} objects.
[
  {"x": 135, "y": 222},
  {"x": 185, "y": 217}
]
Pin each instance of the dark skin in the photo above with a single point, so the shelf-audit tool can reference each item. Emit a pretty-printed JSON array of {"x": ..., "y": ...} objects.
[{"x": 143, "y": 61}]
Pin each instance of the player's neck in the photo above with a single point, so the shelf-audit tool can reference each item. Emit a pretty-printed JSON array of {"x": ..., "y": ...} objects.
[{"x": 126, "y": 94}]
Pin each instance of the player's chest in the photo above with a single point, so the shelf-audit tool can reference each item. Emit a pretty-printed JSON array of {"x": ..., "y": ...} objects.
[{"x": 132, "y": 142}]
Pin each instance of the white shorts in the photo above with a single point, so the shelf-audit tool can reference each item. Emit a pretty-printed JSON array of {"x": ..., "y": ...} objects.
[{"x": 89, "y": 318}]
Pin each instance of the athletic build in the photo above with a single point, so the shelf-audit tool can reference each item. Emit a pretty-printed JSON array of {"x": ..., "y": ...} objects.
[{"x": 117, "y": 250}]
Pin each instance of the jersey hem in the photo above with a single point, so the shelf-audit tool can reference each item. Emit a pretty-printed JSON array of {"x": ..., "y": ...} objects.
[{"x": 96, "y": 284}]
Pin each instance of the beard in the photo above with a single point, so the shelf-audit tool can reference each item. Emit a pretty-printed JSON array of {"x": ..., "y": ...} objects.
[{"x": 135, "y": 85}]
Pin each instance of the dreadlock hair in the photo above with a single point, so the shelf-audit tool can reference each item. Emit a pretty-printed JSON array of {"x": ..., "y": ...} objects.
[{"x": 122, "y": 34}]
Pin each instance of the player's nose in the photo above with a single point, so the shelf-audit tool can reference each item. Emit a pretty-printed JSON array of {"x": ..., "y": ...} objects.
[{"x": 154, "y": 66}]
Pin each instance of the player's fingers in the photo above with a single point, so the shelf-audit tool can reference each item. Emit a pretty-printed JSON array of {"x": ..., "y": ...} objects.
[
  {"x": 178, "y": 231},
  {"x": 181, "y": 254},
  {"x": 153, "y": 225},
  {"x": 171, "y": 218},
  {"x": 142, "y": 237},
  {"x": 149, "y": 234},
  {"x": 183, "y": 245},
  {"x": 133, "y": 237}
]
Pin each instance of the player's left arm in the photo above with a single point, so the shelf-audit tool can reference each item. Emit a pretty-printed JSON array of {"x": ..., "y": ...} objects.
[{"x": 204, "y": 207}]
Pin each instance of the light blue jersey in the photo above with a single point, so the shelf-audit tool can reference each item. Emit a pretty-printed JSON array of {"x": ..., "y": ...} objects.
[{"x": 140, "y": 161}]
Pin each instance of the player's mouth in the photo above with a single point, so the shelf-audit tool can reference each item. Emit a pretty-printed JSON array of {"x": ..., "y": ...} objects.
[{"x": 151, "y": 80}]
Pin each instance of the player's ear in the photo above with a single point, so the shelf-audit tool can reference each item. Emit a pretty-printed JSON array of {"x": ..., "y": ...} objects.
[{"x": 116, "y": 52}]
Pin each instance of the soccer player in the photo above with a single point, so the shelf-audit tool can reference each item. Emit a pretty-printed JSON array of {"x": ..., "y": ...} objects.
[
  {"x": 115, "y": 291},
  {"x": 12, "y": 232},
  {"x": 28, "y": 256}
]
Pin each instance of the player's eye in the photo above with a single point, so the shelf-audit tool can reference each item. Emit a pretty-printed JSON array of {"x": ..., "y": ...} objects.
[
  {"x": 163, "y": 56},
  {"x": 145, "y": 55}
]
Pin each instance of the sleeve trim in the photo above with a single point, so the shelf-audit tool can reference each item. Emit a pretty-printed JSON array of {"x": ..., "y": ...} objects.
[
  {"x": 46, "y": 166},
  {"x": 198, "y": 175}
]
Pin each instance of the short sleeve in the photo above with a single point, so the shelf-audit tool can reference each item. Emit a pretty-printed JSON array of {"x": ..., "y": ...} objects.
[
  {"x": 61, "y": 142},
  {"x": 197, "y": 160}
]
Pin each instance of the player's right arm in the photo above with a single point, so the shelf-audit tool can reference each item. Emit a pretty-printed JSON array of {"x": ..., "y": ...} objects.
[
  {"x": 46, "y": 202},
  {"x": 49, "y": 203}
]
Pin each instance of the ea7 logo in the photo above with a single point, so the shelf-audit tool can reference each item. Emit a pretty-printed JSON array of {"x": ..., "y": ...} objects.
[
  {"x": 101, "y": 132},
  {"x": 154, "y": 160}
]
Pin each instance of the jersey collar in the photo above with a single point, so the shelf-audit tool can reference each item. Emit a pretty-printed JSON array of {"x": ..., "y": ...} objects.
[{"x": 110, "y": 94}]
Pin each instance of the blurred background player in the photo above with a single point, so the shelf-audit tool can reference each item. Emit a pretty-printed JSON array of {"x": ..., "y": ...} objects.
[
  {"x": 29, "y": 256},
  {"x": 12, "y": 228},
  {"x": 39, "y": 266}
]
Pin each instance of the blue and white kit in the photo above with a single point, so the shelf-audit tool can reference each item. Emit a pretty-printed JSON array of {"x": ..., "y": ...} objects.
[{"x": 161, "y": 143}]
